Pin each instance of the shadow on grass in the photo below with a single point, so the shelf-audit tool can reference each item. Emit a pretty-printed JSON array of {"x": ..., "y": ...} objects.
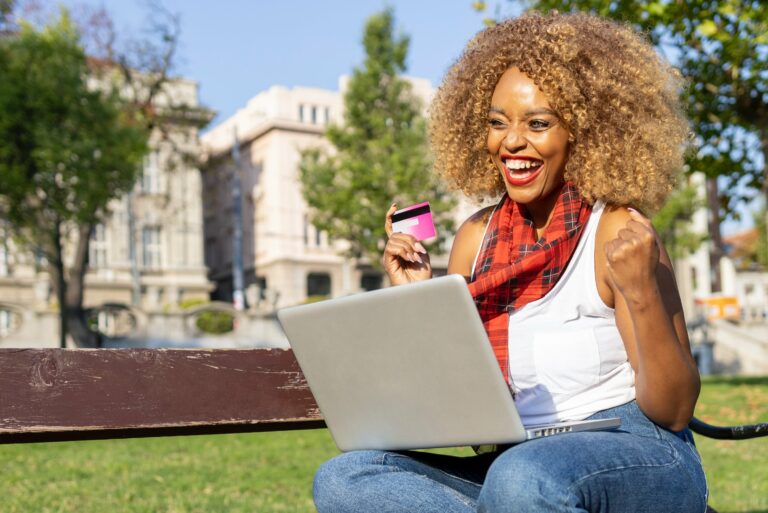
[{"x": 736, "y": 380}]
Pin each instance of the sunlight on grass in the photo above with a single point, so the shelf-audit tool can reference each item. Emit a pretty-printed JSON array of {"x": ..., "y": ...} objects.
[
  {"x": 737, "y": 472},
  {"x": 272, "y": 472}
]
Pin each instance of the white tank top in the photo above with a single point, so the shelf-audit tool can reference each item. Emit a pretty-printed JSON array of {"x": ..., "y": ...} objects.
[{"x": 566, "y": 357}]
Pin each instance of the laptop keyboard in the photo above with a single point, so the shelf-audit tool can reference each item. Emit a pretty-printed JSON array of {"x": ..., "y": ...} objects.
[{"x": 539, "y": 433}]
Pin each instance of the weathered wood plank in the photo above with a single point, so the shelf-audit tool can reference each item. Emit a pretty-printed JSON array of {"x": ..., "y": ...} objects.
[{"x": 77, "y": 394}]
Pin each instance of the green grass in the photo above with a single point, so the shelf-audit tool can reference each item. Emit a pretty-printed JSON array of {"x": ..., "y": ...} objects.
[
  {"x": 737, "y": 472},
  {"x": 272, "y": 472}
]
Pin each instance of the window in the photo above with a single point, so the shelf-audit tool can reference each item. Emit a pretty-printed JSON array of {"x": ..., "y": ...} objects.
[
  {"x": 3, "y": 250},
  {"x": 304, "y": 113},
  {"x": 5, "y": 323},
  {"x": 105, "y": 323},
  {"x": 327, "y": 115},
  {"x": 40, "y": 260},
  {"x": 370, "y": 281},
  {"x": 318, "y": 284},
  {"x": 97, "y": 252},
  {"x": 311, "y": 233},
  {"x": 150, "y": 242},
  {"x": 150, "y": 179},
  {"x": 314, "y": 115},
  {"x": 261, "y": 283},
  {"x": 9, "y": 322}
]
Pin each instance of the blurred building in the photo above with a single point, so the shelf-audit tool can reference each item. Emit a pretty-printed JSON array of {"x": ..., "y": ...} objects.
[
  {"x": 693, "y": 272},
  {"x": 286, "y": 259},
  {"x": 147, "y": 255},
  {"x": 745, "y": 279},
  {"x": 741, "y": 284}
]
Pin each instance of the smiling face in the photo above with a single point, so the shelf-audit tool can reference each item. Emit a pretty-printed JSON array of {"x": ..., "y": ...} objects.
[{"x": 528, "y": 144}]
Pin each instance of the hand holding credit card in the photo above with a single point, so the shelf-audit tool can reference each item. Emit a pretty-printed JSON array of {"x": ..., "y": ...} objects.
[{"x": 415, "y": 220}]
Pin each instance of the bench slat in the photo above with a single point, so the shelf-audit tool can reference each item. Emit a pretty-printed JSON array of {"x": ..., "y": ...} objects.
[{"x": 81, "y": 394}]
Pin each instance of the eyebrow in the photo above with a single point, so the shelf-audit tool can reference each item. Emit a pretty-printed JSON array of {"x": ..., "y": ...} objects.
[{"x": 541, "y": 110}]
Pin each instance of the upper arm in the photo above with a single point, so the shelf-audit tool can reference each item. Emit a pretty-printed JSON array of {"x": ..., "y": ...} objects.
[
  {"x": 613, "y": 220},
  {"x": 467, "y": 242}
]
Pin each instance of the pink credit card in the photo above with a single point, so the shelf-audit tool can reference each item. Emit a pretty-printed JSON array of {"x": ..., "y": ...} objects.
[{"x": 415, "y": 220}]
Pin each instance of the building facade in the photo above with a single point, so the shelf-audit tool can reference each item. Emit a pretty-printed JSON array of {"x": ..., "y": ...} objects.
[
  {"x": 695, "y": 274},
  {"x": 147, "y": 255},
  {"x": 286, "y": 260}
]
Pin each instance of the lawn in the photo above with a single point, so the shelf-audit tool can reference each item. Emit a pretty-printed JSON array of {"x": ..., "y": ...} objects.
[
  {"x": 272, "y": 472},
  {"x": 737, "y": 472}
]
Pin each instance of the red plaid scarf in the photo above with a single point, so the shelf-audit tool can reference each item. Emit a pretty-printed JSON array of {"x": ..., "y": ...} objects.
[{"x": 513, "y": 268}]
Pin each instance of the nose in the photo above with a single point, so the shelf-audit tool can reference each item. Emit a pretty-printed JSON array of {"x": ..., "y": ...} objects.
[{"x": 514, "y": 140}]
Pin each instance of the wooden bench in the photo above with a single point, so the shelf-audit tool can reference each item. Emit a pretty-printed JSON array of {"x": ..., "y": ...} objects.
[
  {"x": 87, "y": 394},
  {"x": 80, "y": 394}
]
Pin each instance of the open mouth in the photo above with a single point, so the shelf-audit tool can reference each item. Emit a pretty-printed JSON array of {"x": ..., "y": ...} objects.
[{"x": 522, "y": 171}]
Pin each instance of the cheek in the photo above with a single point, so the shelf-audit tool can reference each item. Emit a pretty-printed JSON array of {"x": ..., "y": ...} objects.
[
  {"x": 555, "y": 148},
  {"x": 490, "y": 142}
]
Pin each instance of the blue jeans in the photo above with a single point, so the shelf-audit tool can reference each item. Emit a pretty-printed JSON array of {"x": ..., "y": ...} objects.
[{"x": 639, "y": 468}]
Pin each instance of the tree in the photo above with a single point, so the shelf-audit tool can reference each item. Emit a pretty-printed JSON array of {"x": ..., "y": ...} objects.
[
  {"x": 721, "y": 47},
  {"x": 761, "y": 245},
  {"x": 140, "y": 68},
  {"x": 750, "y": 248},
  {"x": 379, "y": 152},
  {"x": 66, "y": 150},
  {"x": 6, "y": 8},
  {"x": 672, "y": 222}
]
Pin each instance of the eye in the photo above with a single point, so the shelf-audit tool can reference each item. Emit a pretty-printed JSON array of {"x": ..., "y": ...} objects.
[
  {"x": 495, "y": 123},
  {"x": 539, "y": 124}
]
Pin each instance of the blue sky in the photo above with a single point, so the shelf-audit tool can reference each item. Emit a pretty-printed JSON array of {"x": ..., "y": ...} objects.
[{"x": 236, "y": 48}]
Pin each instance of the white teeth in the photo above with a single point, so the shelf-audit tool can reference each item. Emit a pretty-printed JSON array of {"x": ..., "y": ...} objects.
[{"x": 522, "y": 164}]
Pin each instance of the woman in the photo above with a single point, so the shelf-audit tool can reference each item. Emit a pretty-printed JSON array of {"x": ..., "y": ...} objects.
[{"x": 575, "y": 121}]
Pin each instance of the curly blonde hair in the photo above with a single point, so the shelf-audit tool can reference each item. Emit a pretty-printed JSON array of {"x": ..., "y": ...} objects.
[{"x": 617, "y": 97}]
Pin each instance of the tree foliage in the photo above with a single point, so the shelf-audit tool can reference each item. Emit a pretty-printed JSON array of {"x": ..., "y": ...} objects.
[
  {"x": 379, "y": 152},
  {"x": 97, "y": 62},
  {"x": 761, "y": 245},
  {"x": 66, "y": 149},
  {"x": 6, "y": 7},
  {"x": 672, "y": 222},
  {"x": 749, "y": 249},
  {"x": 721, "y": 47}
]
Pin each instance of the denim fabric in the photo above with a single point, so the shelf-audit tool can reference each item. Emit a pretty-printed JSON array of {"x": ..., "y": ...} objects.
[{"x": 639, "y": 468}]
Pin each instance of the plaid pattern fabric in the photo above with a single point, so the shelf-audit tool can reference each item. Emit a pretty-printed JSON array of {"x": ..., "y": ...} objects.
[{"x": 513, "y": 268}]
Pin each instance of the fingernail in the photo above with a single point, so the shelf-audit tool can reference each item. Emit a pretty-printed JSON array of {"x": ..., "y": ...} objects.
[
  {"x": 418, "y": 258},
  {"x": 419, "y": 248}
]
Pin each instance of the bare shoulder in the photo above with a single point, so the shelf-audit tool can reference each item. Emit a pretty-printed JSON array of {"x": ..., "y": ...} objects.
[
  {"x": 467, "y": 241},
  {"x": 613, "y": 219},
  {"x": 479, "y": 218}
]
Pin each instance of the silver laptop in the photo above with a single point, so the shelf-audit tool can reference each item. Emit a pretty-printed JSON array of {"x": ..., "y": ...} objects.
[{"x": 408, "y": 367}]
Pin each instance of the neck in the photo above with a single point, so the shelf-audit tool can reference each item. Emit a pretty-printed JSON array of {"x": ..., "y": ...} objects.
[{"x": 541, "y": 212}]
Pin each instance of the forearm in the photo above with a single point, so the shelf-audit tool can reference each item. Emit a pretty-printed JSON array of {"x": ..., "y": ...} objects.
[{"x": 667, "y": 380}]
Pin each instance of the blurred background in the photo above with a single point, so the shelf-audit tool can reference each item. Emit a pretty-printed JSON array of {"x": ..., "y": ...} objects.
[
  {"x": 173, "y": 173},
  {"x": 218, "y": 217}
]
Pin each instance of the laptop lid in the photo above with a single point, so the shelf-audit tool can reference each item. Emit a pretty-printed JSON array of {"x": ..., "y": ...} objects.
[{"x": 403, "y": 368}]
